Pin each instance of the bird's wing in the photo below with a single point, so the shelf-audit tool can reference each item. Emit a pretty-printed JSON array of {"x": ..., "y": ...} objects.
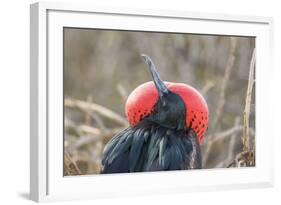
[{"x": 124, "y": 152}]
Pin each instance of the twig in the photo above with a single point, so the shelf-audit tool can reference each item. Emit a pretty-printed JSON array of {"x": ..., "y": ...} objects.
[
  {"x": 219, "y": 136},
  {"x": 246, "y": 113},
  {"x": 231, "y": 145},
  {"x": 86, "y": 129},
  {"x": 247, "y": 156},
  {"x": 89, "y": 129},
  {"x": 226, "y": 133},
  {"x": 70, "y": 166},
  {"x": 221, "y": 101},
  {"x": 243, "y": 159},
  {"x": 99, "y": 122},
  {"x": 232, "y": 142},
  {"x": 83, "y": 141},
  {"x": 88, "y": 112},
  {"x": 229, "y": 66},
  {"x": 84, "y": 106},
  {"x": 122, "y": 91},
  {"x": 207, "y": 87}
]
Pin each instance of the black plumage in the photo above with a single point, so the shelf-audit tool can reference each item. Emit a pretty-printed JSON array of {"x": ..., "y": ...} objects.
[{"x": 151, "y": 147}]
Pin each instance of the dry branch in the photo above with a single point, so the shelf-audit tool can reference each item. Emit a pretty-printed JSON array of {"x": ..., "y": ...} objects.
[
  {"x": 89, "y": 129},
  {"x": 122, "y": 91},
  {"x": 207, "y": 87},
  {"x": 219, "y": 136},
  {"x": 99, "y": 122},
  {"x": 86, "y": 129},
  {"x": 229, "y": 66},
  {"x": 221, "y": 100},
  {"x": 232, "y": 142},
  {"x": 246, "y": 113},
  {"x": 86, "y": 106},
  {"x": 247, "y": 156},
  {"x": 88, "y": 113},
  {"x": 83, "y": 141},
  {"x": 243, "y": 159},
  {"x": 70, "y": 166},
  {"x": 227, "y": 133},
  {"x": 230, "y": 133}
]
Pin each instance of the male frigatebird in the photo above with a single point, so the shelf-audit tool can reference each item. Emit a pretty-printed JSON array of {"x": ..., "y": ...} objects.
[{"x": 167, "y": 124}]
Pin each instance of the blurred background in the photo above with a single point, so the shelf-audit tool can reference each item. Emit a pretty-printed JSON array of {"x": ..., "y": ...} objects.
[{"x": 102, "y": 67}]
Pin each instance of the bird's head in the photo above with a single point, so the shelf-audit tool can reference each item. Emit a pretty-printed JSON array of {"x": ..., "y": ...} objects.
[{"x": 172, "y": 105}]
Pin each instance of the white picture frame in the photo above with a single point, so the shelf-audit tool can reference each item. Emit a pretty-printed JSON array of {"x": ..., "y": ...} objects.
[{"x": 47, "y": 182}]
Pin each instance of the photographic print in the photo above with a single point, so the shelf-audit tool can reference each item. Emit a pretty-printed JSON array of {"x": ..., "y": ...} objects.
[{"x": 138, "y": 101}]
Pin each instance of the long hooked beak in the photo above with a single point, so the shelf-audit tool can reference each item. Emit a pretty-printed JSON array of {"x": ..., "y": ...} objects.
[{"x": 159, "y": 84}]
